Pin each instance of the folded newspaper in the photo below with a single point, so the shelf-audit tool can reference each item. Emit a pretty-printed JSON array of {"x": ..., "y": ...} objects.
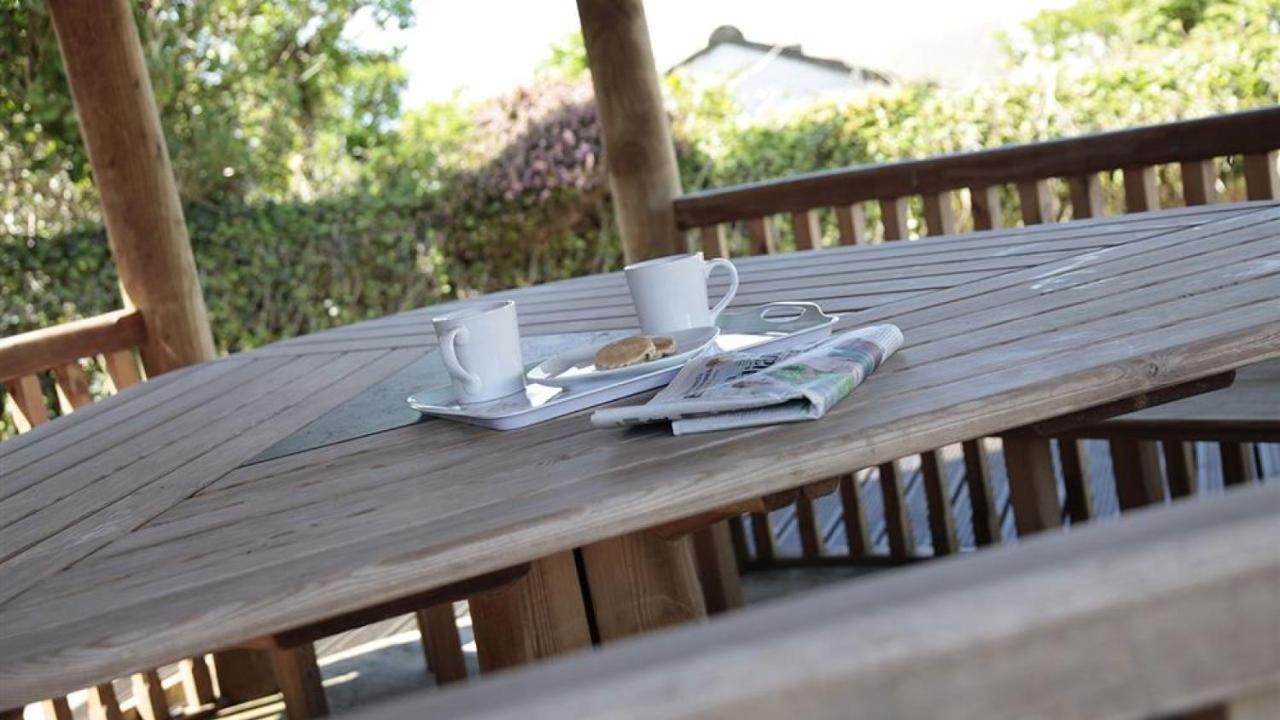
[{"x": 745, "y": 388}]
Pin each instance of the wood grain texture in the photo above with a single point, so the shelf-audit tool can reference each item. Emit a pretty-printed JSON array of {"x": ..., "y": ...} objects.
[
  {"x": 441, "y": 645},
  {"x": 538, "y": 616},
  {"x": 298, "y": 676},
  {"x": 140, "y": 205},
  {"x": 32, "y": 352},
  {"x": 122, "y": 368},
  {"x": 640, "y": 583},
  {"x": 173, "y": 549},
  {"x": 1159, "y": 614},
  {"x": 640, "y": 158}
]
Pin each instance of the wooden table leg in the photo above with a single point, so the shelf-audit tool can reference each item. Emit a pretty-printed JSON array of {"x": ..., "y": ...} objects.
[
  {"x": 1137, "y": 469},
  {"x": 299, "y": 679},
  {"x": 441, "y": 644},
  {"x": 539, "y": 615},
  {"x": 717, "y": 568},
  {"x": 640, "y": 583},
  {"x": 1033, "y": 487},
  {"x": 243, "y": 675}
]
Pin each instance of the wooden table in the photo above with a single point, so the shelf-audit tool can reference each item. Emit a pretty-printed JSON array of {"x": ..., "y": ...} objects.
[{"x": 132, "y": 535}]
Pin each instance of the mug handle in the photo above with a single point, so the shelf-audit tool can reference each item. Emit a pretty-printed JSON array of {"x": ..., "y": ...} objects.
[
  {"x": 470, "y": 381},
  {"x": 733, "y": 284}
]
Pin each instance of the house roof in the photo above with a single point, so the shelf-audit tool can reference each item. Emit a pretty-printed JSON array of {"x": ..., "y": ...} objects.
[{"x": 730, "y": 35}]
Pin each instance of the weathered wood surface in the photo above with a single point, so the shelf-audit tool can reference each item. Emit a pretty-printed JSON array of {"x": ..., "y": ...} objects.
[
  {"x": 59, "y": 345},
  {"x": 161, "y": 547},
  {"x": 1252, "y": 133},
  {"x": 1165, "y": 612},
  {"x": 140, "y": 205}
]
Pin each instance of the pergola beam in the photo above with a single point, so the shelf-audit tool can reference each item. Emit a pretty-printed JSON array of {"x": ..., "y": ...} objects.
[
  {"x": 140, "y": 205},
  {"x": 640, "y": 158}
]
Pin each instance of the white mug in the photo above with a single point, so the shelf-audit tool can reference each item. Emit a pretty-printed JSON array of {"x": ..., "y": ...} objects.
[
  {"x": 670, "y": 293},
  {"x": 480, "y": 346}
]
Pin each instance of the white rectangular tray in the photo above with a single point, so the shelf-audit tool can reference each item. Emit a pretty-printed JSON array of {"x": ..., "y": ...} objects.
[{"x": 769, "y": 324}]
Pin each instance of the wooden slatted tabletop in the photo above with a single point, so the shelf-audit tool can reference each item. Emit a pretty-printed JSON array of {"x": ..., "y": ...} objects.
[{"x": 132, "y": 533}]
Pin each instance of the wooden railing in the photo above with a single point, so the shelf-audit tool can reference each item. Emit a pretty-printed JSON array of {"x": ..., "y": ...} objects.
[
  {"x": 1167, "y": 613},
  {"x": 110, "y": 338},
  {"x": 746, "y": 216},
  {"x": 1194, "y": 144}
]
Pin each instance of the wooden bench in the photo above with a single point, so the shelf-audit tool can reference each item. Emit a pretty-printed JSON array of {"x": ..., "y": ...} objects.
[
  {"x": 1049, "y": 181},
  {"x": 1169, "y": 612}
]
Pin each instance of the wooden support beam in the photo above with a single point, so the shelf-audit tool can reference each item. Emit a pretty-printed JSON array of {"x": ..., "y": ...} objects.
[
  {"x": 197, "y": 684},
  {"x": 122, "y": 368},
  {"x": 1035, "y": 201},
  {"x": 893, "y": 215},
  {"x": 103, "y": 703},
  {"x": 807, "y": 230},
  {"x": 639, "y": 155},
  {"x": 73, "y": 387},
  {"x": 1075, "y": 479},
  {"x": 57, "y": 709},
  {"x": 1033, "y": 488},
  {"x": 762, "y": 537},
  {"x": 1238, "y": 467},
  {"x": 1086, "y": 196},
  {"x": 640, "y": 583},
  {"x": 25, "y": 401},
  {"x": 299, "y": 678},
  {"x": 140, "y": 203},
  {"x": 761, "y": 236},
  {"x": 32, "y": 352},
  {"x": 811, "y": 544},
  {"x": 942, "y": 527},
  {"x": 1141, "y": 192},
  {"x": 1180, "y": 467},
  {"x": 1262, "y": 179},
  {"x": 854, "y": 516},
  {"x": 987, "y": 211},
  {"x": 940, "y": 214},
  {"x": 982, "y": 500},
  {"x": 717, "y": 566},
  {"x": 538, "y": 616},
  {"x": 851, "y": 222},
  {"x": 1137, "y": 470},
  {"x": 714, "y": 243},
  {"x": 149, "y": 697},
  {"x": 1199, "y": 182},
  {"x": 243, "y": 675},
  {"x": 441, "y": 645},
  {"x": 897, "y": 519}
]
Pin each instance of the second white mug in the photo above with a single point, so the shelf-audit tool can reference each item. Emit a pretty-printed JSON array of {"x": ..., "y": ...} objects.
[
  {"x": 670, "y": 293},
  {"x": 480, "y": 346}
]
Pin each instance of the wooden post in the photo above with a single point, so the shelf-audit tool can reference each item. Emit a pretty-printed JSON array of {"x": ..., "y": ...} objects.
[
  {"x": 538, "y": 616},
  {"x": 638, "y": 152},
  {"x": 640, "y": 583},
  {"x": 140, "y": 204}
]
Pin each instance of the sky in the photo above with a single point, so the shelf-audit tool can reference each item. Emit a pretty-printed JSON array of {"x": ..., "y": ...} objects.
[{"x": 482, "y": 48}]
